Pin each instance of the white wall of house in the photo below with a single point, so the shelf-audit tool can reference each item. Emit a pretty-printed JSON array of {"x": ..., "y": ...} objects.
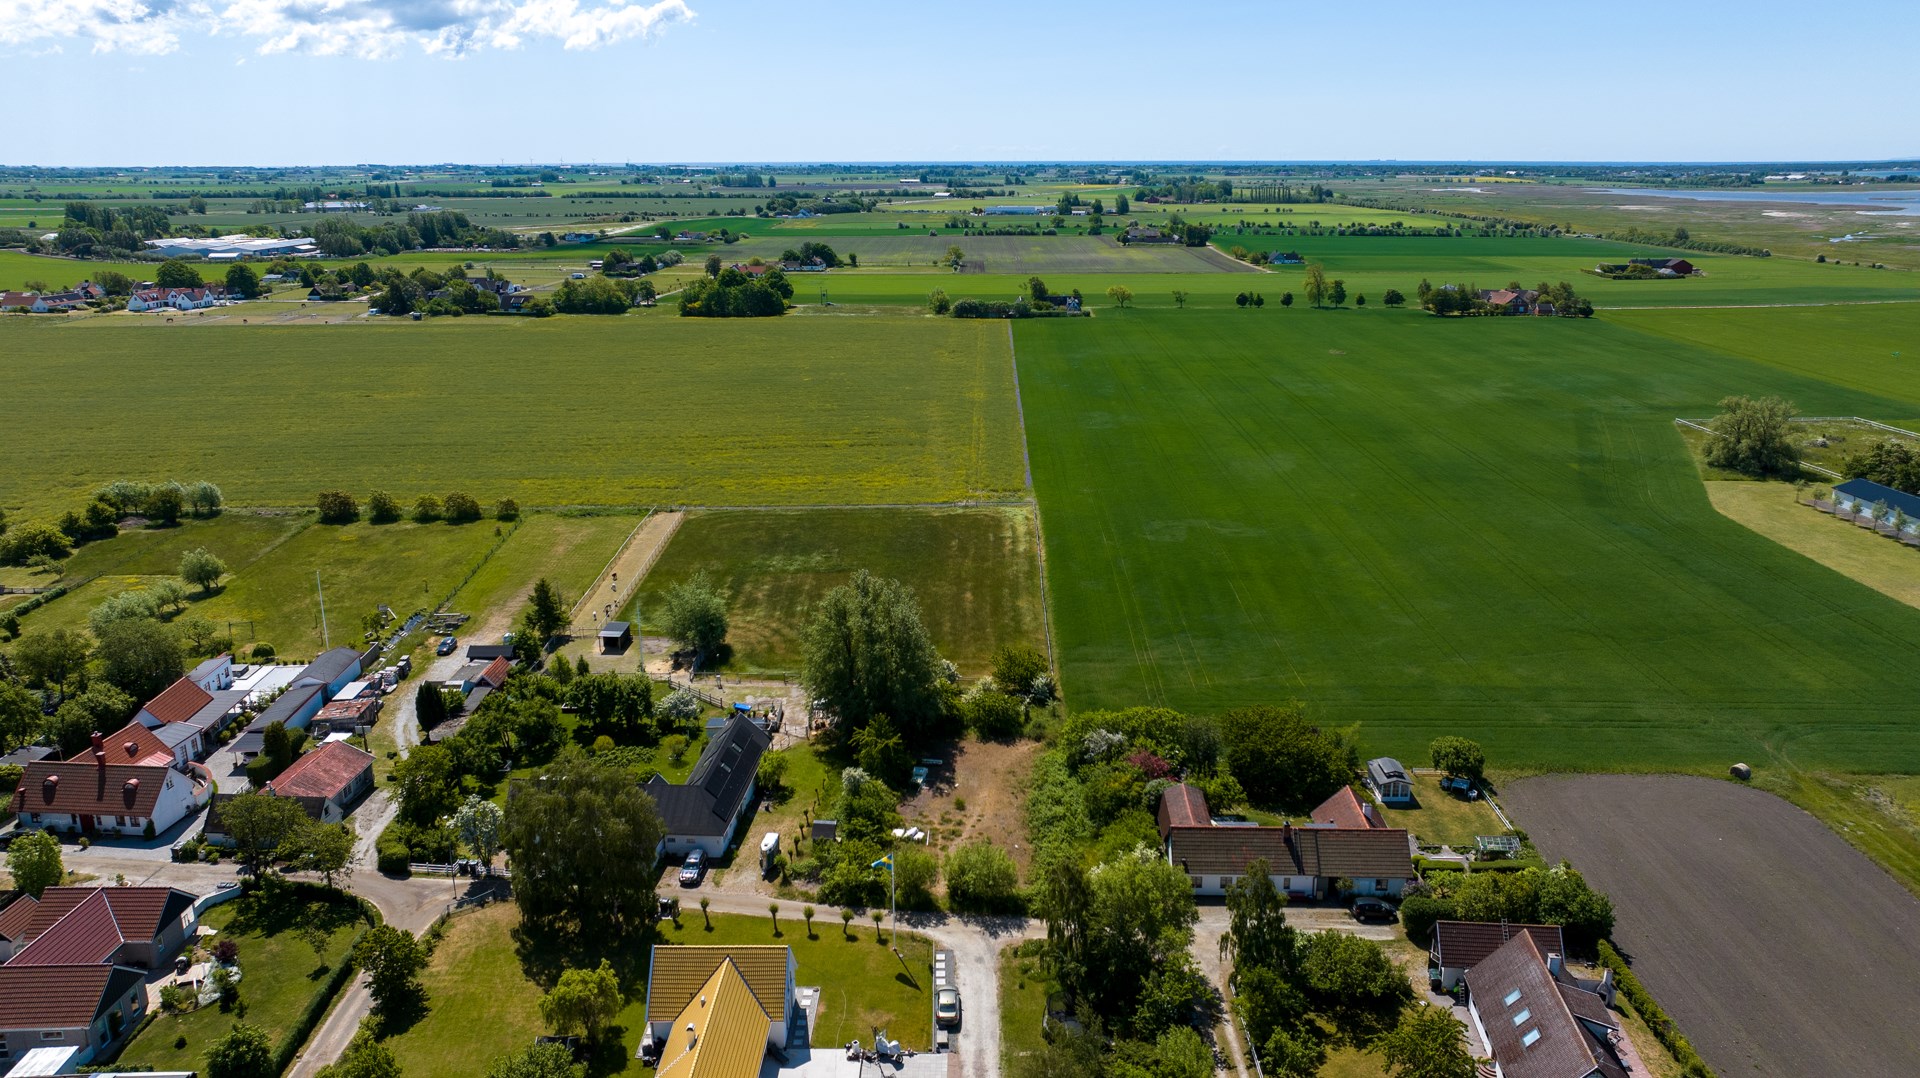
[{"x": 1291, "y": 885}]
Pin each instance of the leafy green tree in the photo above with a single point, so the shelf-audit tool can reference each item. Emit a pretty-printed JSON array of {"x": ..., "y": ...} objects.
[
  {"x": 867, "y": 652},
  {"x": 364, "y": 1058},
  {"x": 140, "y": 657},
  {"x": 1294, "y": 1053},
  {"x": 982, "y": 878},
  {"x": 583, "y": 837},
  {"x": 508, "y": 509},
  {"x": 1427, "y": 1042},
  {"x": 242, "y": 281},
  {"x": 323, "y": 848},
  {"x": 1393, "y": 298},
  {"x": 202, "y": 569},
  {"x": 1258, "y": 935},
  {"x": 1458, "y": 756},
  {"x": 245, "y": 1052},
  {"x": 34, "y": 862},
  {"x": 462, "y": 508},
  {"x": 1752, "y": 436},
  {"x": 1240, "y": 300},
  {"x": 174, "y": 273},
  {"x": 166, "y": 502},
  {"x": 337, "y": 507},
  {"x": 1286, "y": 299},
  {"x": 1120, "y": 294},
  {"x": 19, "y": 716},
  {"x": 55, "y": 657},
  {"x": 1337, "y": 292},
  {"x": 955, "y": 256},
  {"x": 427, "y": 509},
  {"x": 547, "y": 612},
  {"x": 1180, "y": 1053},
  {"x": 695, "y": 613},
  {"x": 393, "y": 959},
  {"x": 429, "y": 706},
  {"x": 1174, "y": 992},
  {"x": 1283, "y": 761},
  {"x": 1179, "y": 297},
  {"x": 1315, "y": 285},
  {"x": 382, "y": 508},
  {"x": 878, "y": 750},
  {"x": 1267, "y": 1002},
  {"x": 260, "y": 823},
  {"x": 714, "y": 262},
  {"x": 993, "y": 715},
  {"x": 550, "y": 1060},
  {"x": 1140, "y": 913},
  {"x": 937, "y": 301},
  {"x": 1352, "y": 980},
  {"x": 427, "y": 783},
  {"x": 584, "y": 1002},
  {"x": 102, "y": 706},
  {"x": 478, "y": 824},
  {"x": 1360, "y": 300}
]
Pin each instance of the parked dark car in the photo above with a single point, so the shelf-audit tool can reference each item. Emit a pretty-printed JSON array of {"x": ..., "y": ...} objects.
[
  {"x": 1372, "y": 909},
  {"x": 446, "y": 646}
]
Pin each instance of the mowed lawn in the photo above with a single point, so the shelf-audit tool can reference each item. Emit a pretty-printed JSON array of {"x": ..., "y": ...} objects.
[
  {"x": 1484, "y": 527},
  {"x": 976, "y": 573},
  {"x": 641, "y": 410},
  {"x": 485, "y": 981}
]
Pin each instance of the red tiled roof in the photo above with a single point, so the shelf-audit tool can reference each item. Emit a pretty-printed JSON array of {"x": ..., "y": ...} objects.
[
  {"x": 18, "y": 915},
  {"x": 347, "y": 709},
  {"x": 131, "y": 744},
  {"x": 1344, "y": 809},
  {"x": 88, "y": 932},
  {"x": 496, "y": 672},
  {"x": 86, "y": 787},
  {"x": 139, "y": 911},
  {"x": 1183, "y": 806},
  {"x": 1502, "y": 297},
  {"x": 59, "y": 997},
  {"x": 182, "y": 700},
  {"x": 324, "y": 772}
]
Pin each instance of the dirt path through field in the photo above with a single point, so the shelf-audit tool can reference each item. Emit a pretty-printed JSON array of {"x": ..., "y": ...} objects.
[
  {"x": 1779, "y": 949},
  {"x": 625, "y": 572}
]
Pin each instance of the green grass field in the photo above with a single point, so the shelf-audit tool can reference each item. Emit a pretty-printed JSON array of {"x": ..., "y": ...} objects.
[
  {"x": 919, "y": 251},
  {"x": 269, "y": 594},
  {"x": 280, "y": 974},
  {"x": 484, "y": 987},
  {"x": 568, "y": 550},
  {"x": 621, "y": 411},
  {"x": 975, "y": 571},
  {"x": 1424, "y": 526}
]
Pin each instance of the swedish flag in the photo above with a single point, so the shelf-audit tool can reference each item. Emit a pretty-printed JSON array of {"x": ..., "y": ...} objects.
[{"x": 885, "y": 862}]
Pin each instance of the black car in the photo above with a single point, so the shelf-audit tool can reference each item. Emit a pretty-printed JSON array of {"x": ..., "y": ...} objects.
[{"x": 1372, "y": 909}]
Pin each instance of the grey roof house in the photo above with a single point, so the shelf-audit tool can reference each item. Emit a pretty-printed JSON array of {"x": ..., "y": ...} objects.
[
  {"x": 704, "y": 812},
  {"x": 1536, "y": 1020},
  {"x": 1389, "y": 781}
]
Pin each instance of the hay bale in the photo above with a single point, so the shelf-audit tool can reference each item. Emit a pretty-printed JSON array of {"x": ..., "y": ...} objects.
[{"x": 1741, "y": 771}]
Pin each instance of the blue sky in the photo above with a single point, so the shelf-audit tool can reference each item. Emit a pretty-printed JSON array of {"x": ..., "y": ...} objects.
[{"x": 154, "y": 82}]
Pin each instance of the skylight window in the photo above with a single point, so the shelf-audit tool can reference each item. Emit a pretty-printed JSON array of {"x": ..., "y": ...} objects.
[
  {"x": 1532, "y": 1035},
  {"x": 1522, "y": 1016},
  {"x": 1512, "y": 998}
]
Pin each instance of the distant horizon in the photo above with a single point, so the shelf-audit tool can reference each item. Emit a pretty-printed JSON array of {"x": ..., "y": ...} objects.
[{"x": 1822, "y": 164}]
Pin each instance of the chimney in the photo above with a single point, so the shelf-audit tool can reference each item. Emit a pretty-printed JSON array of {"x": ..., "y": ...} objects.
[
  {"x": 1556, "y": 965},
  {"x": 692, "y": 1037},
  {"x": 131, "y": 749}
]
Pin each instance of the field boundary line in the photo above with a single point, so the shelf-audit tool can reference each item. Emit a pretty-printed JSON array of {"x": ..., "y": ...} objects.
[
  {"x": 1756, "y": 306},
  {"x": 1039, "y": 534},
  {"x": 574, "y": 613},
  {"x": 971, "y": 503},
  {"x": 1853, "y": 419}
]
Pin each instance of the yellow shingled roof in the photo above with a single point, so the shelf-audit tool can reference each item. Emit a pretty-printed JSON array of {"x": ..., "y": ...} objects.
[
  {"x": 678, "y": 972},
  {"x": 720, "y": 1033}
]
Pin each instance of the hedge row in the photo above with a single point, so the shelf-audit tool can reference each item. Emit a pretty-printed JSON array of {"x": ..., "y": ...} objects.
[
  {"x": 39, "y": 600},
  {"x": 309, "y": 1019},
  {"x": 1664, "y": 1029}
]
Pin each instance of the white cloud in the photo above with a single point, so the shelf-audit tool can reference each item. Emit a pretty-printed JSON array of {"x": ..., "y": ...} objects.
[{"x": 372, "y": 29}]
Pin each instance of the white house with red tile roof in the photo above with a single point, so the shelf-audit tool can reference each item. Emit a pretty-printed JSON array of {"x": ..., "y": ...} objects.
[
  {"x": 95, "y": 795},
  {"x": 1345, "y": 809},
  {"x": 328, "y": 781},
  {"x": 131, "y": 744},
  {"x": 178, "y": 299}
]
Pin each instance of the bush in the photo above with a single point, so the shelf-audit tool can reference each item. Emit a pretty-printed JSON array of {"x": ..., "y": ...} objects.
[
  {"x": 392, "y": 856},
  {"x": 261, "y": 651},
  {"x": 337, "y": 507},
  {"x": 981, "y": 878},
  {"x": 508, "y": 509},
  {"x": 992, "y": 716},
  {"x": 382, "y": 508},
  {"x": 461, "y": 508}
]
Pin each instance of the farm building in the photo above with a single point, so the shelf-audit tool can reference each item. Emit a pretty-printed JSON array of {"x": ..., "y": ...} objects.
[
  {"x": 1458, "y": 946},
  {"x": 1860, "y": 496},
  {"x": 1536, "y": 1020},
  {"x": 237, "y": 244},
  {"x": 1148, "y": 235},
  {"x": 328, "y": 781},
  {"x": 1675, "y": 267},
  {"x": 615, "y": 637},
  {"x": 1022, "y": 211},
  {"x": 294, "y": 709},
  {"x": 332, "y": 671},
  {"x": 1286, "y": 258},
  {"x": 1390, "y": 782},
  {"x": 703, "y": 812}
]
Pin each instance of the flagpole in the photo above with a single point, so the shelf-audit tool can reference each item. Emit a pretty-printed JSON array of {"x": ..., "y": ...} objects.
[{"x": 893, "y": 896}]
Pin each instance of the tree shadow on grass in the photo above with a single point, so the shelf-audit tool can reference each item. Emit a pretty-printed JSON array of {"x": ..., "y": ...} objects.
[
  {"x": 547, "y": 950},
  {"x": 399, "y": 1017}
]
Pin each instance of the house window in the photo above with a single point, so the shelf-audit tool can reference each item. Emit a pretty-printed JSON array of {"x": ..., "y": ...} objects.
[
  {"x": 1522, "y": 1016},
  {"x": 52, "y": 1035},
  {"x": 1527, "y": 1041},
  {"x": 1380, "y": 885},
  {"x": 1512, "y": 998}
]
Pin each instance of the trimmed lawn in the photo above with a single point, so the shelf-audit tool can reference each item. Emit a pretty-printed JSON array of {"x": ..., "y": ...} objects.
[
  {"x": 1023, "y": 1006},
  {"x": 976, "y": 573},
  {"x": 1773, "y": 510},
  {"x": 862, "y": 985},
  {"x": 568, "y": 550},
  {"x": 280, "y": 976},
  {"x": 1442, "y": 818},
  {"x": 485, "y": 981}
]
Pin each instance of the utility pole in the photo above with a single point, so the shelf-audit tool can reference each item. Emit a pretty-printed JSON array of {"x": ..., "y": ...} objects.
[{"x": 326, "y": 642}]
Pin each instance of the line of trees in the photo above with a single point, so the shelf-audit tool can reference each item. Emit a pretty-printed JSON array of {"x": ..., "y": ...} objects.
[{"x": 459, "y": 507}]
